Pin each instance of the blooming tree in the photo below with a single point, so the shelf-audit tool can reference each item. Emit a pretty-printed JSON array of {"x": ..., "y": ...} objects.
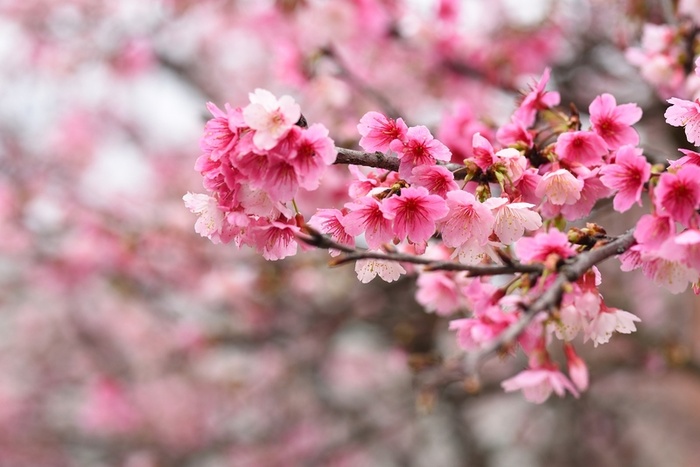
[{"x": 484, "y": 170}]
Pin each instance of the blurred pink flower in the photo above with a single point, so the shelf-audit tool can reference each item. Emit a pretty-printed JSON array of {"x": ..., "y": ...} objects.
[
  {"x": 685, "y": 113},
  {"x": 537, "y": 384}
]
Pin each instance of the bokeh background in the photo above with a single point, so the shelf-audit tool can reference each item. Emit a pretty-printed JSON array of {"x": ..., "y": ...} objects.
[{"x": 128, "y": 340}]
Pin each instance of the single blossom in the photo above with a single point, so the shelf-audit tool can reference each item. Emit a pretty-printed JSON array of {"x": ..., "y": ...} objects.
[
  {"x": 512, "y": 219},
  {"x": 537, "y": 99},
  {"x": 538, "y": 384},
  {"x": 467, "y": 219},
  {"x": 653, "y": 230},
  {"x": 210, "y": 219},
  {"x": 378, "y": 131},
  {"x": 614, "y": 122},
  {"x": 367, "y": 215},
  {"x": 269, "y": 117},
  {"x": 274, "y": 239},
  {"x": 415, "y": 212},
  {"x": 578, "y": 371},
  {"x": 607, "y": 321},
  {"x": 439, "y": 292},
  {"x": 581, "y": 147},
  {"x": 313, "y": 152},
  {"x": 330, "y": 221},
  {"x": 483, "y": 328},
  {"x": 593, "y": 190},
  {"x": 560, "y": 187},
  {"x": 436, "y": 179},
  {"x": 418, "y": 148},
  {"x": 678, "y": 194},
  {"x": 483, "y": 151},
  {"x": 539, "y": 247},
  {"x": 221, "y": 132},
  {"x": 627, "y": 175},
  {"x": 368, "y": 269},
  {"x": 685, "y": 113}
]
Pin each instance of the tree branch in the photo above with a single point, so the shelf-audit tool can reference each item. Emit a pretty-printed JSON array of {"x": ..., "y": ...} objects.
[
  {"x": 551, "y": 298},
  {"x": 377, "y": 160},
  {"x": 452, "y": 371},
  {"x": 318, "y": 240}
]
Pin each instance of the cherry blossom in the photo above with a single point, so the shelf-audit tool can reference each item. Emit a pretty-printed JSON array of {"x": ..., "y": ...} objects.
[
  {"x": 378, "y": 131},
  {"x": 415, "y": 213},
  {"x": 560, "y": 187},
  {"x": 538, "y": 384},
  {"x": 581, "y": 147},
  {"x": 687, "y": 114},
  {"x": 467, "y": 219},
  {"x": 269, "y": 117},
  {"x": 627, "y": 175},
  {"x": 614, "y": 122}
]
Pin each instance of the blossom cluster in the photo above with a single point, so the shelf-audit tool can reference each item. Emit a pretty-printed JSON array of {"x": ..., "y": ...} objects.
[
  {"x": 507, "y": 201},
  {"x": 254, "y": 160},
  {"x": 668, "y": 57}
]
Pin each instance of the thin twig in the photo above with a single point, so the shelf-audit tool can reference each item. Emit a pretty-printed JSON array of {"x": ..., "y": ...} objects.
[
  {"x": 551, "y": 298},
  {"x": 314, "y": 238}
]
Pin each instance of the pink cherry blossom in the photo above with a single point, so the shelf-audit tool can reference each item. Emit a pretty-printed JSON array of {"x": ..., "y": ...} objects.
[
  {"x": 678, "y": 194},
  {"x": 483, "y": 151},
  {"x": 367, "y": 215},
  {"x": 368, "y": 269},
  {"x": 329, "y": 221},
  {"x": 439, "y": 292},
  {"x": 378, "y": 131},
  {"x": 210, "y": 219},
  {"x": 512, "y": 219},
  {"x": 560, "y": 187},
  {"x": 484, "y": 327},
  {"x": 274, "y": 239},
  {"x": 415, "y": 212},
  {"x": 593, "y": 191},
  {"x": 314, "y": 152},
  {"x": 467, "y": 219},
  {"x": 537, "y": 99},
  {"x": 653, "y": 230},
  {"x": 581, "y": 147},
  {"x": 269, "y": 117},
  {"x": 578, "y": 371},
  {"x": 221, "y": 132},
  {"x": 607, "y": 321},
  {"x": 436, "y": 178},
  {"x": 627, "y": 175},
  {"x": 539, "y": 247},
  {"x": 685, "y": 113},
  {"x": 538, "y": 384},
  {"x": 419, "y": 148},
  {"x": 614, "y": 122}
]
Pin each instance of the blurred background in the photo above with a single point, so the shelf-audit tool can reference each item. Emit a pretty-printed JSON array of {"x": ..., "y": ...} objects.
[{"x": 128, "y": 340}]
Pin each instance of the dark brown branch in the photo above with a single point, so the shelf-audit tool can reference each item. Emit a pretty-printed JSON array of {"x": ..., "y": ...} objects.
[
  {"x": 368, "y": 159},
  {"x": 380, "y": 160}
]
